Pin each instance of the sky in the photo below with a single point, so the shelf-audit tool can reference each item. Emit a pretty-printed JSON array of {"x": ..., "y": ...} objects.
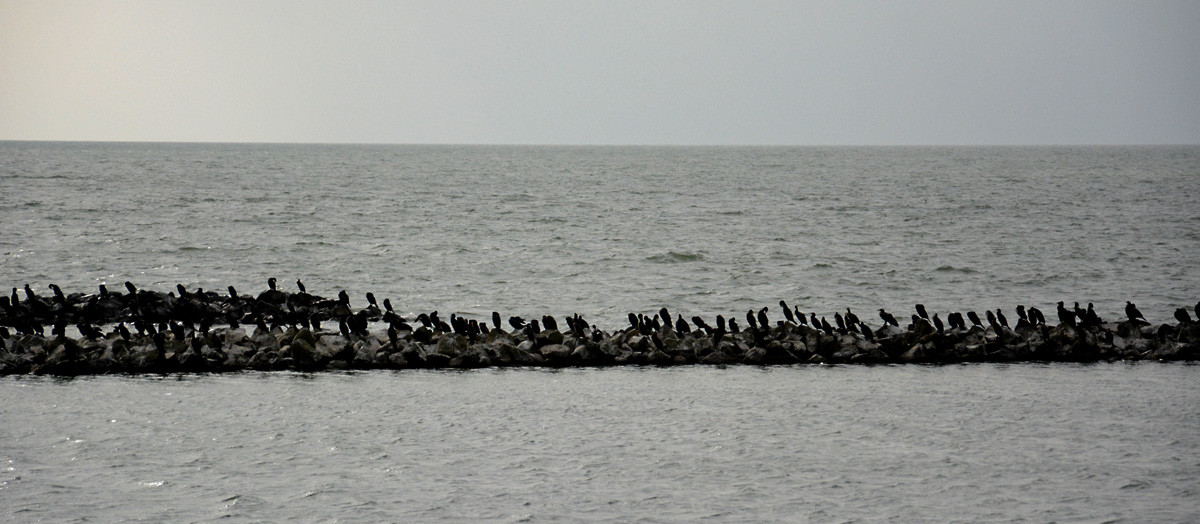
[{"x": 612, "y": 72}]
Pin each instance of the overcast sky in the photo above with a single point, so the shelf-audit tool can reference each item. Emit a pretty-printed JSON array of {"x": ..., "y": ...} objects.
[{"x": 612, "y": 72}]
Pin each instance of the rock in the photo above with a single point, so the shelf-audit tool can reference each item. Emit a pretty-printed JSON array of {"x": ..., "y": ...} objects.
[{"x": 556, "y": 353}]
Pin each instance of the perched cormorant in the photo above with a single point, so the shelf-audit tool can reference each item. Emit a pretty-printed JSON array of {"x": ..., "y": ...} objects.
[
  {"x": 496, "y": 319},
  {"x": 851, "y": 318},
  {"x": 701, "y": 324},
  {"x": 841, "y": 323},
  {"x": 387, "y": 304},
  {"x": 812, "y": 318},
  {"x": 974, "y": 318},
  {"x": 343, "y": 297},
  {"x": 991, "y": 318},
  {"x": 1132, "y": 312},
  {"x": 800, "y": 316},
  {"x": 733, "y": 327},
  {"x": 937, "y": 323},
  {"x": 232, "y": 293},
  {"x": 762, "y": 319},
  {"x": 888, "y": 318},
  {"x": 129, "y": 286},
  {"x": 665, "y": 316},
  {"x": 750, "y": 320},
  {"x": 1182, "y": 316},
  {"x": 787, "y": 312},
  {"x": 1000, "y": 318},
  {"x": 866, "y": 331},
  {"x": 271, "y": 283},
  {"x": 1065, "y": 316},
  {"x": 921, "y": 312},
  {"x": 549, "y": 323},
  {"x": 300, "y": 286},
  {"x": 681, "y": 325}
]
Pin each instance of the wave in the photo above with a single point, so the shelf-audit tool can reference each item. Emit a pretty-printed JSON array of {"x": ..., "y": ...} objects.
[
  {"x": 952, "y": 269},
  {"x": 672, "y": 257}
]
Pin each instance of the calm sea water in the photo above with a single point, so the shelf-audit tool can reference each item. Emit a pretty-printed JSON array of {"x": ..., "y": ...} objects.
[
  {"x": 975, "y": 443},
  {"x": 603, "y": 231}
]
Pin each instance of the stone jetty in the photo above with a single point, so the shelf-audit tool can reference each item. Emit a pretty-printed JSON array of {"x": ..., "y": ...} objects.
[{"x": 141, "y": 331}]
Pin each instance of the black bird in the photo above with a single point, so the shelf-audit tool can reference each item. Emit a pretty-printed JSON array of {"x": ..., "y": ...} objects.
[
  {"x": 271, "y": 283},
  {"x": 841, "y": 323},
  {"x": 700, "y": 323},
  {"x": 851, "y": 318},
  {"x": 974, "y": 318},
  {"x": 1000, "y": 317},
  {"x": 232, "y": 293},
  {"x": 1021, "y": 313},
  {"x": 393, "y": 337},
  {"x": 888, "y": 318},
  {"x": 549, "y": 323},
  {"x": 426, "y": 322},
  {"x": 866, "y": 331},
  {"x": 1035, "y": 316},
  {"x": 104, "y": 291},
  {"x": 1132, "y": 312},
  {"x": 1182, "y": 316},
  {"x": 828, "y": 329},
  {"x": 1081, "y": 314},
  {"x": 1065, "y": 316},
  {"x": 387, "y": 304},
  {"x": 750, "y": 320},
  {"x": 182, "y": 290},
  {"x": 300, "y": 286},
  {"x": 633, "y": 321},
  {"x": 787, "y": 312},
  {"x": 533, "y": 326},
  {"x": 720, "y": 323},
  {"x": 812, "y": 318},
  {"x": 762, "y": 319},
  {"x": 496, "y": 319},
  {"x": 128, "y": 285},
  {"x": 921, "y": 312},
  {"x": 682, "y": 326},
  {"x": 800, "y": 316},
  {"x": 937, "y": 323},
  {"x": 1093, "y": 318},
  {"x": 58, "y": 294},
  {"x": 665, "y": 316},
  {"x": 343, "y": 298},
  {"x": 733, "y": 327},
  {"x": 371, "y": 300}
]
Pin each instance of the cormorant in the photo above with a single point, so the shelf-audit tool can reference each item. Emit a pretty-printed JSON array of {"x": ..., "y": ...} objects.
[
  {"x": 800, "y": 316},
  {"x": 866, "y": 331},
  {"x": 300, "y": 286},
  {"x": 1000, "y": 317},
  {"x": 888, "y": 318},
  {"x": 762, "y": 319},
  {"x": 733, "y": 327},
  {"x": 343, "y": 298},
  {"x": 681, "y": 325},
  {"x": 937, "y": 323},
  {"x": 549, "y": 323},
  {"x": 750, "y": 320},
  {"x": 271, "y": 283},
  {"x": 232, "y": 293},
  {"x": 921, "y": 312},
  {"x": 841, "y": 323},
  {"x": 812, "y": 318},
  {"x": 787, "y": 312},
  {"x": 128, "y": 285},
  {"x": 1182, "y": 316},
  {"x": 851, "y": 318},
  {"x": 1132, "y": 312},
  {"x": 974, "y": 318},
  {"x": 496, "y": 319},
  {"x": 666, "y": 316},
  {"x": 1065, "y": 316},
  {"x": 701, "y": 324}
]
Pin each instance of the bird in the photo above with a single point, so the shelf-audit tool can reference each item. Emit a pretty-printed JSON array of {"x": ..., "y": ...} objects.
[
  {"x": 1065, "y": 316},
  {"x": 300, "y": 286},
  {"x": 974, "y": 318},
  {"x": 866, "y": 331},
  {"x": 128, "y": 286},
  {"x": 888, "y": 318},
  {"x": 496, "y": 319},
  {"x": 787, "y": 313},
  {"x": 851, "y": 318},
  {"x": 1000, "y": 317},
  {"x": 841, "y": 322},
  {"x": 1132, "y": 312},
  {"x": 921, "y": 312},
  {"x": 751, "y": 321},
  {"x": 937, "y": 323},
  {"x": 271, "y": 283},
  {"x": 812, "y": 319},
  {"x": 681, "y": 325},
  {"x": 1182, "y": 316},
  {"x": 800, "y": 316},
  {"x": 1035, "y": 316},
  {"x": 549, "y": 323},
  {"x": 762, "y": 319},
  {"x": 387, "y": 304},
  {"x": 666, "y": 316}
]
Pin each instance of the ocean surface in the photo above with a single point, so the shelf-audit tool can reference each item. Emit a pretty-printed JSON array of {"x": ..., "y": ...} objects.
[{"x": 604, "y": 231}]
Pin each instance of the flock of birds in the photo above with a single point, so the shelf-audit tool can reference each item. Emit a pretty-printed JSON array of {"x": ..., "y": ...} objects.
[{"x": 153, "y": 312}]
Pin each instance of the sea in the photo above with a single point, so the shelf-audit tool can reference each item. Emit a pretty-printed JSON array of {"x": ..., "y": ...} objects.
[{"x": 603, "y": 231}]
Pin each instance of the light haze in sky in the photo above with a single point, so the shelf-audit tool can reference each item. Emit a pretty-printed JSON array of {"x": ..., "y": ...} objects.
[{"x": 611, "y": 72}]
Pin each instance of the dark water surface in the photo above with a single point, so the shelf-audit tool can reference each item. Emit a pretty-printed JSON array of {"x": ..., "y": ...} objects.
[{"x": 969, "y": 443}]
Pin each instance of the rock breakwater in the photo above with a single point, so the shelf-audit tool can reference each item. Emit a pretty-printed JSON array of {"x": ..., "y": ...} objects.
[{"x": 208, "y": 332}]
